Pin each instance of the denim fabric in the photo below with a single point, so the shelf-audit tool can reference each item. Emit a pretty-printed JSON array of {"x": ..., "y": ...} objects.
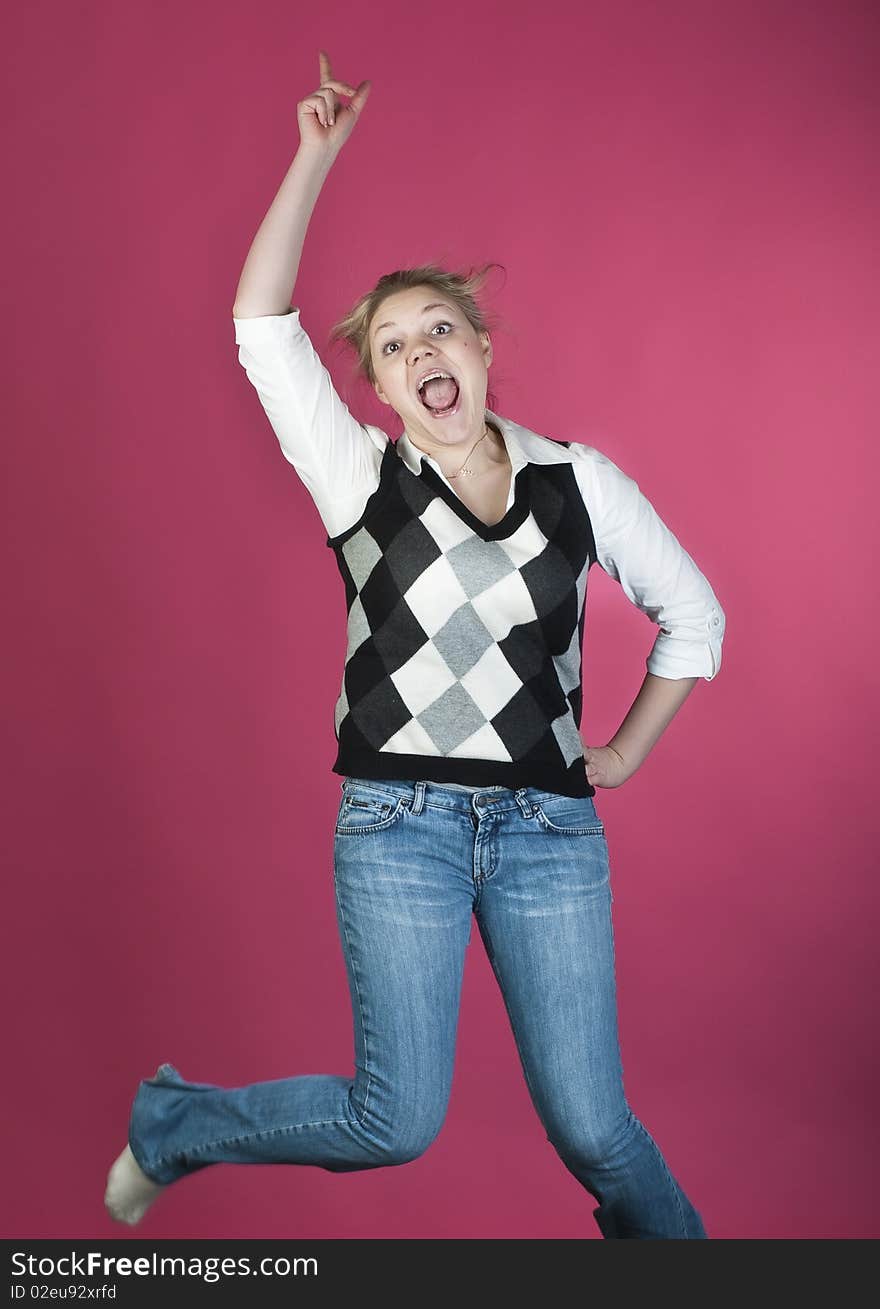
[{"x": 413, "y": 861}]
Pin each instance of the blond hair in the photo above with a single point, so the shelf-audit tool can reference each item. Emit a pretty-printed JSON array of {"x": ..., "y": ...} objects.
[{"x": 459, "y": 288}]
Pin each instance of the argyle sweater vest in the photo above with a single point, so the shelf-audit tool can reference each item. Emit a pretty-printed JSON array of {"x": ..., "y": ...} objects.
[{"x": 464, "y": 641}]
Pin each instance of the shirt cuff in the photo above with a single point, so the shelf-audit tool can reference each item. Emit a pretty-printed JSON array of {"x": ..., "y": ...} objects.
[
  {"x": 682, "y": 654},
  {"x": 268, "y": 327}
]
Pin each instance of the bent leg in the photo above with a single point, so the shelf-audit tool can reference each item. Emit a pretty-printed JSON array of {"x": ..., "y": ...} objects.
[{"x": 404, "y": 920}]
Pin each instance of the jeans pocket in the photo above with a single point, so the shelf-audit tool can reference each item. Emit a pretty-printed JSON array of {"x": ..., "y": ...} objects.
[
  {"x": 569, "y": 815},
  {"x": 365, "y": 809}
]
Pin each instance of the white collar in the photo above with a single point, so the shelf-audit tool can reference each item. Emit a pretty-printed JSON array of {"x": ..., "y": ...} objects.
[{"x": 412, "y": 456}]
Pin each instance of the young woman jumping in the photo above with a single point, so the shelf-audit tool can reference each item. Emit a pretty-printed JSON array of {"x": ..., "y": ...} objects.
[{"x": 467, "y": 793}]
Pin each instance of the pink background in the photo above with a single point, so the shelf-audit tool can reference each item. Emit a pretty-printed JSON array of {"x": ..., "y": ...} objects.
[{"x": 685, "y": 200}]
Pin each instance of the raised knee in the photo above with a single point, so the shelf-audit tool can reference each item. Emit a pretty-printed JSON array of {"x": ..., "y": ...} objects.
[
  {"x": 403, "y": 1140},
  {"x": 399, "y": 1130},
  {"x": 405, "y": 1148},
  {"x": 382, "y": 1152}
]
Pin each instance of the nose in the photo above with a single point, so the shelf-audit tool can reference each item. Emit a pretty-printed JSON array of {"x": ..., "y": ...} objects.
[{"x": 419, "y": 351}]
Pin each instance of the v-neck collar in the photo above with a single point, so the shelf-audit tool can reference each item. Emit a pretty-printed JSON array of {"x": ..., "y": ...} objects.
[{"x": 425, "y": 466}]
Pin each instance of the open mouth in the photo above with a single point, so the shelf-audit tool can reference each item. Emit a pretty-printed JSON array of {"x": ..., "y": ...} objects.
[{"x": 440, "y": 393}]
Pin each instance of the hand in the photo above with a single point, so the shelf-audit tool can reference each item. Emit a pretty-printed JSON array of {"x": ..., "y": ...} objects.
[
  {"x": 323, "y": 122},
  {"x": 605, "y": 767}
]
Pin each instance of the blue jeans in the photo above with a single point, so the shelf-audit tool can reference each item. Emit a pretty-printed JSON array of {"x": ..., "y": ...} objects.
[{"x": 412, "y": 862}]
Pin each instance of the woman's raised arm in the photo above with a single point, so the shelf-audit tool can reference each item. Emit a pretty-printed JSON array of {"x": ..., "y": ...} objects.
[{"x": 269, "y": 273}]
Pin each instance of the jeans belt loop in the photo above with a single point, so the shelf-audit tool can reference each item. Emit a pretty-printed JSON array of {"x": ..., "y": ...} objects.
[
  {"x": 418, "y": 797},
  {"x": 524, "y": 805}
]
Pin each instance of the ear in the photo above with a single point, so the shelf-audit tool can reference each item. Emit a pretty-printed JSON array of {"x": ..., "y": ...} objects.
[{"x": 487, "y": 348}]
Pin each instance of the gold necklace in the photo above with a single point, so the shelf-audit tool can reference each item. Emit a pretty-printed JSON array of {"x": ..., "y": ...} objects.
[{"x": 464, "y": 470}]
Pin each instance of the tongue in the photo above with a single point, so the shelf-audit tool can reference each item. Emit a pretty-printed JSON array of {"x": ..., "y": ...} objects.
[{"x": 439, "y": 393}]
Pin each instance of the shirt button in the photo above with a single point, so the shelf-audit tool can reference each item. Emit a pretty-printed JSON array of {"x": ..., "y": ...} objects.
[{"x": 715, "y": 622}]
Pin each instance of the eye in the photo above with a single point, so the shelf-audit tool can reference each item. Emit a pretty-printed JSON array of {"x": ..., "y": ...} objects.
[{"x": 443, "y": 323}]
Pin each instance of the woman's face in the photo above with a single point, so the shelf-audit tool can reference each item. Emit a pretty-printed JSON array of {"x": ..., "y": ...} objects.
[{"x": 419, "y": 331}]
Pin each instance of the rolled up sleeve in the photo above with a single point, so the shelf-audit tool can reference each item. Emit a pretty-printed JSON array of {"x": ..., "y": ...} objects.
[
  {"x": 336, "y": 457},
  {"x": 637, "y": 549}
]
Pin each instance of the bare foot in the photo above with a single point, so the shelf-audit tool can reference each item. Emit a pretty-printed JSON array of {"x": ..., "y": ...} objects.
[{"x": 129, "y": 1192}]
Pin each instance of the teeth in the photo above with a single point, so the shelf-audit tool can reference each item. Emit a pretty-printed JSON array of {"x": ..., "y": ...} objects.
[{"x": 428, "y": 377}]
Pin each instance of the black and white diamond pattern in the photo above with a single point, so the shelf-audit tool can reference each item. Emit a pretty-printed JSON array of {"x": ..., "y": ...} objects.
[{"x": 464, "y": 641}]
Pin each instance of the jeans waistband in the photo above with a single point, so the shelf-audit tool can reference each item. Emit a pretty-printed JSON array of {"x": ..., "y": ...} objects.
[
  {"x": 460, "y": 786},
  {"x": 448, "y": 796}
]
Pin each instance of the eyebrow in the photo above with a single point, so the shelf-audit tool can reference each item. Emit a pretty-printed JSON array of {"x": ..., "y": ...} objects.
[{"x": 439, "y": 305}]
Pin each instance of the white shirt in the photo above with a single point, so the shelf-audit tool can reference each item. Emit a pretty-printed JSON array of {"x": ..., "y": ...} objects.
[{"x": 338, "y": 460}]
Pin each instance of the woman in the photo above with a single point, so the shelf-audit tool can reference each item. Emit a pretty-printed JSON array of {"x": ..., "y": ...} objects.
[{"x": 467, "y": 791}]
